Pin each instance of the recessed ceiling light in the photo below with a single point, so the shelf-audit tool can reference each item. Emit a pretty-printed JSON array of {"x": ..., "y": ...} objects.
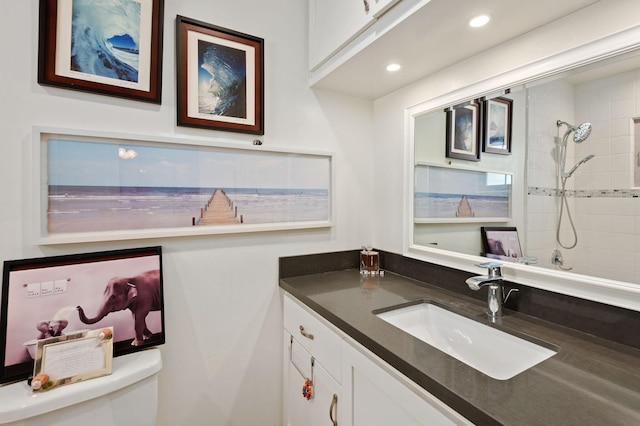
[
  {"x": 479, "y": 21},
  {"x": 393, "y": 67}
]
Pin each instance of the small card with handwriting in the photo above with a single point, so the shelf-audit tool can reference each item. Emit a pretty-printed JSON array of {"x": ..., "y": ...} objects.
[{"x": 72, "y": 358}]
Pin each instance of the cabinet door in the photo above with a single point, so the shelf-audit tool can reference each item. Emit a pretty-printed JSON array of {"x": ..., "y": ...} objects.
[
  {"x": 374, "y": 397},
  {"x": 323, "y": 408},
  {"x": 333, "y": 23},
  {"x": 379, "y": 7},
  {"x": 320, "y": 341}
]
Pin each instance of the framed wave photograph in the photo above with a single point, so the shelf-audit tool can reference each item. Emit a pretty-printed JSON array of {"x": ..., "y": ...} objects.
[
  {"x": 496, "y": 129},
  {"x": 65, "y": 295},
  {"x": 220, "y": 78},
  {"x": 109, "y": 47},
  {"x": 463, "y": 132}
]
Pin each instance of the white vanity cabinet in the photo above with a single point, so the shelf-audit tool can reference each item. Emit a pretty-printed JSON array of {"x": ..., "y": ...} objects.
[
  {"x": 352, "y": 386},
  {"x": 312, "y": 351},
  {"x": 334, "y": 23}
]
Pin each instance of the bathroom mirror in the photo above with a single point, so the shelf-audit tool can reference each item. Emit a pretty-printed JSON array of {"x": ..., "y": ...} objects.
[{"x": 575, "y": 162}]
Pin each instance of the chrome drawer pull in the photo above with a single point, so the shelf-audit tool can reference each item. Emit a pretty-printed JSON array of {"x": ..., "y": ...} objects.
[
  {"x": 305, "y": 334},
  {"x": 334, "y": 403}
]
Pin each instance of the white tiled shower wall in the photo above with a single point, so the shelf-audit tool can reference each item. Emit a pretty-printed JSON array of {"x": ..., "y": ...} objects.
[{"x": 604, "y": 206}]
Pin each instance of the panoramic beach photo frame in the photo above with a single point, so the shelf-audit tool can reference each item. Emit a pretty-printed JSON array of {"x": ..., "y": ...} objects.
[
  {"x": 96, "y": 186},
  {"x": 455, "y": 194},
  {"x": 108, "y": 47},
  {"x": 220, "y": 75}
]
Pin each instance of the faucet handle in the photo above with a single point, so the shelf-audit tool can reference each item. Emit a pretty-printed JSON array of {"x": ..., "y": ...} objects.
[
  {"x": 493, "y": 267},
  {"x": 489, "y": 265}
]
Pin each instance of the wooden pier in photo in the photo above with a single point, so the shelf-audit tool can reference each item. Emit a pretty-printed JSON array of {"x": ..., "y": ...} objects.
[
  {"x": 219, "y": 210},
  {"x": 464, "y": 208}
]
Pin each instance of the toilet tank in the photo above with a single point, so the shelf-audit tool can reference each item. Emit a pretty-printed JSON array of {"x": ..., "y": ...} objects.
[{"x": 128, "y": 396}]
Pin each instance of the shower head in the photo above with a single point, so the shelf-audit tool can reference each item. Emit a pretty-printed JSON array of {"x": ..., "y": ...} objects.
[
  {"x": 574, "y": 168},
  {"x": 580, "y": 133}
]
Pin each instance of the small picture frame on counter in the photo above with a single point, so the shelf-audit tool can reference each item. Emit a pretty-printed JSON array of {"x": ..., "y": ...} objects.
[{"x": 72, "y": 358}]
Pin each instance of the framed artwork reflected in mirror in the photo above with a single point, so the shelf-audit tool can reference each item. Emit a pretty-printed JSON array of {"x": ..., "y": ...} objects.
[
  {"x": 463, "y": 132},
  {"x": 496, "y": 129}
]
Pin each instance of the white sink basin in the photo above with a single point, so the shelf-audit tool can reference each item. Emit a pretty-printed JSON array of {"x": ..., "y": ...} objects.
[{"x": 493, "y": 352}]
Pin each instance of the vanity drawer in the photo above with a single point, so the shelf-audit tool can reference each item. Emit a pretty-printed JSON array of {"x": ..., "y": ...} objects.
[{"x": 318, "y": 339}]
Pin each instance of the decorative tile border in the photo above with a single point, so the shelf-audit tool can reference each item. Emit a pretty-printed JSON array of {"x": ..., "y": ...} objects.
[{"x": 593, "y": 193}]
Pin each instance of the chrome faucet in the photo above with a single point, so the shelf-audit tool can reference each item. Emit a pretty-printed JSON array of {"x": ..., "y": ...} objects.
[{"x": 494, "y": 281}]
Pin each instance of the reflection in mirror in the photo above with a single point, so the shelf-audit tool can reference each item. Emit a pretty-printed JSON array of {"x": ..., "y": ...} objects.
[
  {"x": 576, "y": 172},
  {"x": 458, "y": 234}
]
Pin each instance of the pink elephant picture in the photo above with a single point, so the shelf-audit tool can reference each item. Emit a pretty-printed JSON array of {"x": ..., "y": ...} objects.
[
  {"x": 140, "y": 294},
  {"x": 58, "y": 295}
]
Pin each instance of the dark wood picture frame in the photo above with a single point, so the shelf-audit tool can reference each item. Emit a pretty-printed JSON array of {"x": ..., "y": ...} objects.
[
  {"x": 230, "y": 67},
  {"x": 496, "y": 129},
  {"x": 463, "y": 132},
  {"x": 125, "y": 67}
]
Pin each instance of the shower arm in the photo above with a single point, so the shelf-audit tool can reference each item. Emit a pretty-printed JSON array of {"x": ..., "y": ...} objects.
[{"x": 570, "y": 127}]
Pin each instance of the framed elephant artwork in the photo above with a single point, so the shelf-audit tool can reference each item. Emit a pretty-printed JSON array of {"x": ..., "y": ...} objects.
[{"x": 58, "y": 295}]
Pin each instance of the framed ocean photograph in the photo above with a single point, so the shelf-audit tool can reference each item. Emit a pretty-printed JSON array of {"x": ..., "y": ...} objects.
[
  {"x": 496, "y": 129},
  {"x": 109, "y": 47},
  {"x": 448, "y": 194},
  {"x": 463, "y": 132},
  {"x": 220, "y": 76},
  {"x": 92, "y": 186}
]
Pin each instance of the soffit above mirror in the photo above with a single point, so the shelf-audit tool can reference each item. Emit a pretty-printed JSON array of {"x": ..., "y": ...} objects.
[{"x": 434, "y": 37}]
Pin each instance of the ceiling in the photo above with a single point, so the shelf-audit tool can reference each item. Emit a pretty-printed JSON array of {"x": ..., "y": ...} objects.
[{"x": 437, "y": 36}]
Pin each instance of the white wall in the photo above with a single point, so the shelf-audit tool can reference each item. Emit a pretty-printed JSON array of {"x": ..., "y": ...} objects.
[{"x": 222, "y": 360}]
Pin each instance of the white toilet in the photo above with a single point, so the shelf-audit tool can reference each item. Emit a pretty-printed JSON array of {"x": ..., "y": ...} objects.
[{"x": 129, "y": 396}]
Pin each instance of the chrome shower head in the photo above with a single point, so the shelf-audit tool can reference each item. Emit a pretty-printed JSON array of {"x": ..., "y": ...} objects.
[{"x": 580, "y": 133}]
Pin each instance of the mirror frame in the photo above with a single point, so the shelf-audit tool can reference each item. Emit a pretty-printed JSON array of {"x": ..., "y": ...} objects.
[{"x": 612, "y": 292}]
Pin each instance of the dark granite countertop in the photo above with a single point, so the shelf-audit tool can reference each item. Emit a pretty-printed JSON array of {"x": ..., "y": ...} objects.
[{"x": 590, "y": 381}]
